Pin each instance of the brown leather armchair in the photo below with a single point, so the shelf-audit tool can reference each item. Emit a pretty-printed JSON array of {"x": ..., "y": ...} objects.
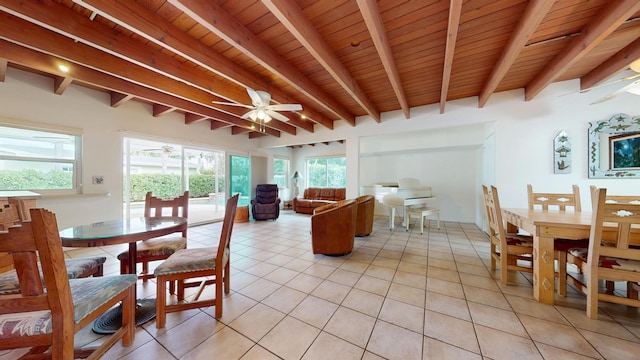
[
  {"x": 364, "y": 219},
  {"x": 333, "y": 228},
  {"x": 266, "y": 204}
]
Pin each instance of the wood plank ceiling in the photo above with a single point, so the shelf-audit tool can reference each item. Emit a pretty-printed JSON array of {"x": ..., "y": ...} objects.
[{"x": 340, "y": 59}]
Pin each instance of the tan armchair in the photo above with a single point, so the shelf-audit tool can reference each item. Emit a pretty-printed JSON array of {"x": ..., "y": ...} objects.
[
  {"x": 333, "y": 228},
  {"x": 364, "y": 219}
]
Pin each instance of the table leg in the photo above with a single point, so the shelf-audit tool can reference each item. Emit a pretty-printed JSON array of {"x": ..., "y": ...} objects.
[
  {"x": 543, "y": 269},
  {"x": 132, "y": 257}
]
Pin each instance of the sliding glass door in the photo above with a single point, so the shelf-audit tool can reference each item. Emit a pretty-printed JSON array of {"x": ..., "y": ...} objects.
[{"x": 167, "y": 170}]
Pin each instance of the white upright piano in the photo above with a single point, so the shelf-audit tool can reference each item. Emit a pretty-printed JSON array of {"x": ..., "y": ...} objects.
[{"x": 408, "y": 193}]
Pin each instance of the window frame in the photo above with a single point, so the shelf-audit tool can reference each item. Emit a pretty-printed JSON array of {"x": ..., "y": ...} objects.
[
  {"x": 76, "y": 162},
  {"x": 287, "y": 173},
  {"x": 328, "y": 157}
]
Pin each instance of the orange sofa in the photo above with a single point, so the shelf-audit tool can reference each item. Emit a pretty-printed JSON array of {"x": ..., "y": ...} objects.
[{"x": 315, "y": 197}]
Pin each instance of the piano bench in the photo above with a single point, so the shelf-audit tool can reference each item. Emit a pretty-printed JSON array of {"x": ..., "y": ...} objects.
[{"x": 422, "y": 213}]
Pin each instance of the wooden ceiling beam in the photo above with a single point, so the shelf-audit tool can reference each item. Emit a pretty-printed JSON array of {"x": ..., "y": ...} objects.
[
  {"x": 23, "y": 32},
  {"x": 71, "y": 24},
  {"x": 375, "y": 25},
  {"x": 118, "y": 99},
  {"x": 601, "y": 26},
  {"x": 215, "y": 124},
  {"x": 618, "y": 62},
  {"x": 33, "y": 59},
  {"x": 190, "y": 118},
  {"x": 143, "y": 22},
  {"x": 237, "y": 35},
  {"x": 455, "y": 10},
  {"x": 61, "y": 83},
  {"x": 254, "y": 135},
  {"x": 291, "y": 17},
  {"x": 531, "y": 18},
  {"x": 159, "y": 110},
  {"x": 238, "y": 130},
  {"x": 3, "y": 69}
]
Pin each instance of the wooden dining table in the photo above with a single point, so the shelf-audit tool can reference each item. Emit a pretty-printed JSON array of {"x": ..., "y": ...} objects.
[
  {"x": 546, "y": 226},
  {"x": 122, "y": 231}
]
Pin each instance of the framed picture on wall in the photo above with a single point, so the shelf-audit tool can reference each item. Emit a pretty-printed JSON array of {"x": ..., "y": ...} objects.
[{"x": 624, "y": 151}]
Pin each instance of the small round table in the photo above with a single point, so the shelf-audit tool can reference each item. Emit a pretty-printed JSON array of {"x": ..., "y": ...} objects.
[
  {"x": 121, "y": 231},
  {"x": 242, "y": 214}
]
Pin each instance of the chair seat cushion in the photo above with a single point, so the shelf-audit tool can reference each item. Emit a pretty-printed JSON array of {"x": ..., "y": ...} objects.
[
  {"x": 606, "y": 261},
  {"x": 88, "y": 294},
  {"x": 519, "y": 240},
  {"x": 188, "y": 260},
  {"x": 566, "y": 244},
  {"x": 163, "y": 245},
  {"x": 76, "y": 268}
]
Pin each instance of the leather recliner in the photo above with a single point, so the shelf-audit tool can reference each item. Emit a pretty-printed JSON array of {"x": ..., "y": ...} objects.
[
  {"x": 364, "y": 219},
  {"x": 333, "y": 228},
  {"x": 266, "y": 205}
]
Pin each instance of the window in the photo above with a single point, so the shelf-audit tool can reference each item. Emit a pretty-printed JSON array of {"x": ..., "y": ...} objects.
[
  {"x": 168, "y": 169},
  {"x": 40, "y": 159},
  {"x": 280, "y": 172},
  {"x": 327, "y": 172},
  {"x": 240, "y": 175}
]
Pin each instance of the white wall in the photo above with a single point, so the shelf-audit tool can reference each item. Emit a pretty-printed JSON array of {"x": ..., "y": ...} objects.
[
  {"x": 30, "y": 97},
  {"x": 524, "y": 133}
]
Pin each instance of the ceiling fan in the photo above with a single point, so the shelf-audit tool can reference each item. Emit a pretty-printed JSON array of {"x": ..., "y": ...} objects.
[
  {"x": 261, "y": 110},
  {"x": 633, "y": 87},
  {"x": 166, "y": 149}
]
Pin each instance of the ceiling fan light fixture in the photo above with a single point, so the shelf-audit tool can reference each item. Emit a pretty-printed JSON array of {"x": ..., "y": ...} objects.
[{"x": 635, "y": 66}]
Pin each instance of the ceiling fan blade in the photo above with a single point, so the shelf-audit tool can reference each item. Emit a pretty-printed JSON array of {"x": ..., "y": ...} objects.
[
  {"x": 264, "y": 96},
  {"x": 248, "y": 114},
  {"x": 285, "y": 107},
  {"x": 231, "y": 104},
  {"x": 615, "y": 93},
  {"x": 630, "y": 77},
  {"x": 256, "y": 100},
  {"x": 276, "y": 115}
]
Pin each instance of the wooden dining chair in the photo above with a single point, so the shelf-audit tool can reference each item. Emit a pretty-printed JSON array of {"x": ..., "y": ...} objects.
[
  {"x": 613, "y": 253},
  {"x": 15, "y": 213},
  {"x": 561, "y": 202},
  {"x": 161, "y": 247},
  {"x": 577, "y": 256},
  {"x": 197, "y": 268},
  {"x": 49, "y": 307},
  {"x": 506, "y": 249}
]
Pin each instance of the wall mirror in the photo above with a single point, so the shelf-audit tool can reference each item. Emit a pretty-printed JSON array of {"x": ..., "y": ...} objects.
[{"x": 614, "y": 147}]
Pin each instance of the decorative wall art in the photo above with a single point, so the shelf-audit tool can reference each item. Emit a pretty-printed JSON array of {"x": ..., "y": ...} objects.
[
  {"x": 614, "y": 147},
  {"x": 562, "y": 153}
]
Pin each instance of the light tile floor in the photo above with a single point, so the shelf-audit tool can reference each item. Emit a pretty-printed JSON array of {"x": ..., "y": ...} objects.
[{"x": 398, "y": 295}]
